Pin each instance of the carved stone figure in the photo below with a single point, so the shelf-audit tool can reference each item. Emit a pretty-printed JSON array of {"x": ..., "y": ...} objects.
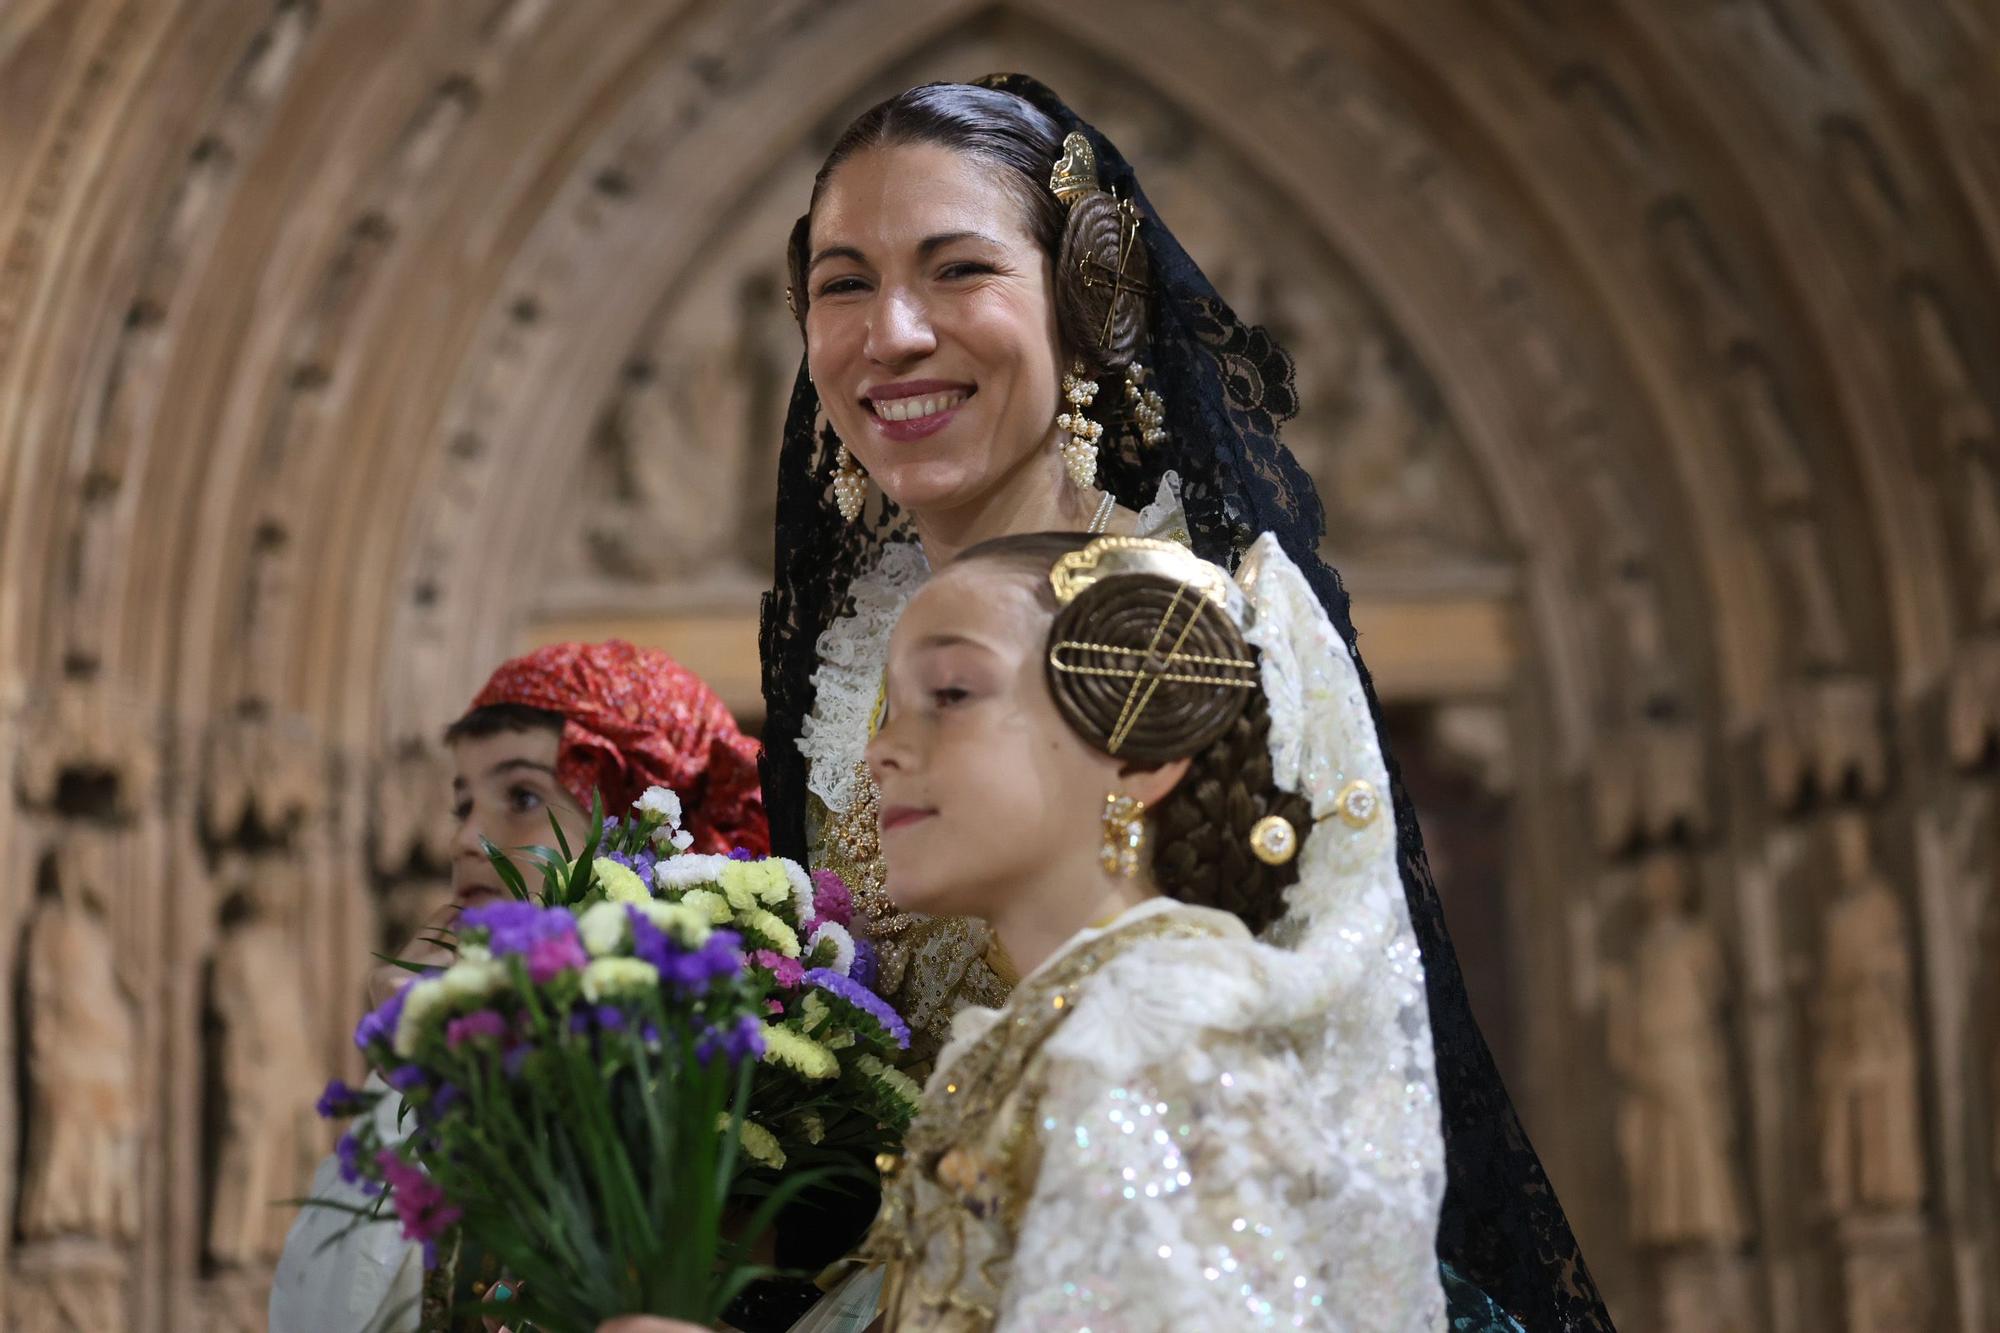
[
  {"x": 84, "y": 1105},
  {"x": 1675, "y": 1122},
  {"x": 269, "y": 1141},
  {"x": 1871, "y": 1145}
]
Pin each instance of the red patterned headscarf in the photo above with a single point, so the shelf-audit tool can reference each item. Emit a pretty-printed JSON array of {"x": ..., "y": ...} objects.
[{"x": 635, "y": 718}]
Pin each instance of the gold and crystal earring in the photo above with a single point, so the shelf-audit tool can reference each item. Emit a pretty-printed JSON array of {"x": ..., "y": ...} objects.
[
  {"x": 850, "y": 485},
  {"x": 1124, "y": 835},
  {"x": 1080, "y": 450}
]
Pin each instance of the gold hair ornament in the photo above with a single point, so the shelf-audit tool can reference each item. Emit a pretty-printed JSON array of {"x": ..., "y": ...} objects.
[
  {"x": 1274, "y": 840},
  {"x": 1201, "y": 585}
]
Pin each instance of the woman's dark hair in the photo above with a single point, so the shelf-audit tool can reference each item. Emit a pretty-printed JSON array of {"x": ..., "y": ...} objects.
[
  {"x": 1201, "y": 831},
  {"x": 1082, "y": 240}
]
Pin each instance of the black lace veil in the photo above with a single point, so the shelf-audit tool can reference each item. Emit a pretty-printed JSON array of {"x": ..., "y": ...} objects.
[{"x": 1228, "y": 387}]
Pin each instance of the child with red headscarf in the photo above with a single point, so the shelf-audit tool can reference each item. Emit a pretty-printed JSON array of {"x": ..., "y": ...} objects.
[{"x": 547, "y": 731}]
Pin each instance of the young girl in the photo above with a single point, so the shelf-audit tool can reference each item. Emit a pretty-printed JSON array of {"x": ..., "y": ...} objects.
[{"x": 1210, "y": 1102}]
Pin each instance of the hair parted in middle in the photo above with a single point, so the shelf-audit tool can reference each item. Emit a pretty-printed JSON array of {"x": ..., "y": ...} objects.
[
  {"x": 1204, "y": 702},
  {"x": 1090, "y": 238}
]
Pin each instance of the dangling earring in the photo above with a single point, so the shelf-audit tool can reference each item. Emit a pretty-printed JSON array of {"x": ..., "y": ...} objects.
[
  {"x": 1124, "y": 835},
  {"x": 850, "y": 485},
  {"x": 1148, "y": 408},
  {"x": 1080, "y": 453}
]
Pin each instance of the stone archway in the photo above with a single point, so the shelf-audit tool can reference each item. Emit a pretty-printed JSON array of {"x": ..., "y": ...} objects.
[{"x": 1647, "y": 361}]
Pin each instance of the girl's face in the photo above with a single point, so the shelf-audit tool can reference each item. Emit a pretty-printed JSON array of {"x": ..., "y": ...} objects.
[
  {"x": 930, "y": 326},
  {"x": 987, "y": 795},
  {"x": 505, "y": 789}
]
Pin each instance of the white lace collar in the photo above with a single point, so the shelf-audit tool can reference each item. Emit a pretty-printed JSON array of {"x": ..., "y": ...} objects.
[{"x": 854, "y": 651}]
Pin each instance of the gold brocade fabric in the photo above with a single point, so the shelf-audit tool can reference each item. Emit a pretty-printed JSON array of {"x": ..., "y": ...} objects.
[{"x": 953, "y": 1205}]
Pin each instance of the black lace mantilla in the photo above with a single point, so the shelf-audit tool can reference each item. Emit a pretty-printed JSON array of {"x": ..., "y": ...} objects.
[{"x": 1228, "y": 388}]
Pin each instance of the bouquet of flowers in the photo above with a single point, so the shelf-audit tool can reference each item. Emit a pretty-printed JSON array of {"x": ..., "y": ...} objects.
[{"x": 622, "y": 1078}]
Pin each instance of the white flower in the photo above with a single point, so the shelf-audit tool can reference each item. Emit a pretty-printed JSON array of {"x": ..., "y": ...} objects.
[
  {"x": 474, "y": 953},
  {"x": 612, "y": 977},
  {"x": 660, "y": 801},
  {"x": 602, "y": 929},
  {"x": 688, "y": 925},
  {"x": 681, "y": 841},
  {"x": 421, "y": 1002},
  {"x": 802, "y": 889},
  {"x": 843, "y": 945},
  {"x": 472, "y": 979},
  {"x": 687, "y": 872}
]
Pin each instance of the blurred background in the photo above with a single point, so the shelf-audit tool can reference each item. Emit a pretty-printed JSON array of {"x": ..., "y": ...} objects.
[{"x": 1648, "y": 358}]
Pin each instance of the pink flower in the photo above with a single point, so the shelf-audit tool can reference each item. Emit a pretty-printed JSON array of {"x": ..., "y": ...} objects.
[
  {"x": 420, "y": 1203},
  {"x": 479, "y": 1023},
  {"x": 789, "y": 973},
  {"x": 553, "y": 954},
  {"x": 832, "y": 901}
]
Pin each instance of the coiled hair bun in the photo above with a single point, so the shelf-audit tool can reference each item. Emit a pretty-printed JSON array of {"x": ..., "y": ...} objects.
[
  {"x": 1145, "y": 669},
  {"x": 1101, "y": 282}
]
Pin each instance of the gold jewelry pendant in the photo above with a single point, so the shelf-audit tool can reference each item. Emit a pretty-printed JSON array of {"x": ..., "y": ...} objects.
[
  {"x": 1080, "y": 450},
  {"x": 850, "y": 485},
  {"x": 1124, "y": 835}
]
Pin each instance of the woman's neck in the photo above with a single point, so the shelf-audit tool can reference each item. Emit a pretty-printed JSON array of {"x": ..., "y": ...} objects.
[
  {"x": 1035, "y": 925},
  {"x": 1037, "y": 496}
]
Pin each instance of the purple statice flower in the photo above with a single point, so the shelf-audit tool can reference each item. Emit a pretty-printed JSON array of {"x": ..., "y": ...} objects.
[
  {"x": 742, "y": 854},
  {"x": 514, "y": 926},
  {"x": 744, "y": 1040},
  {"x": 339, "y": 1101},
  {"x": 609, "y": 1017},
  {"x": 348, "y": 1150},
  {"x": 832, "y": 900},
  {"x": 688, "y": 971},
  {"x": 552, "y": 955},
  {"x": 406, "y": 1078},
  {"x": 515, "y": 1057},
  {"x": 378, "y": 1027},
  {"x": 446, "y": 1096},
  {"x": 788, "y": 973},
  {"x": 579, "y": 1023},
  {"x": 420, "y": 1202},
  {"x": 479, "y": 1023},
  {"x": 859, "y": 998},
  {"x": 866, "y": 968},
  {"x": 640, "y": 863}
]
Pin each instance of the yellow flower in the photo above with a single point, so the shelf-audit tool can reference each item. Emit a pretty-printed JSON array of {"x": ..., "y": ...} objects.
[
  {"x": 892, "y": 1078},
  {"x": 472, "y": 978},
  {"x": 710, "y": 903},
  {"x": 611, "y": 977},
  {"x": 767, "y": 931},
  {"x": 602, "y": 928},
  {"x": 688, "y": 925},
  {"x": 748, "y": 883},
  {"x": 620, "y": 883},
  {"x": 759, "y": 1142},
  {"x": 802, "y": 1055}
]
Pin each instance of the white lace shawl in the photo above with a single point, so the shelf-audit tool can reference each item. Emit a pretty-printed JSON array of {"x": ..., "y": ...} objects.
[
  {"x": 1295, "y": 1175},
  {"x": 854, "y": 651}
]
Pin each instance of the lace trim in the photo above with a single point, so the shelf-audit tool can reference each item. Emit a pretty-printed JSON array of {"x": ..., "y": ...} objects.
[
  {"x": 852, "y": 654},
  {"x": 854, "y": 650}
]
